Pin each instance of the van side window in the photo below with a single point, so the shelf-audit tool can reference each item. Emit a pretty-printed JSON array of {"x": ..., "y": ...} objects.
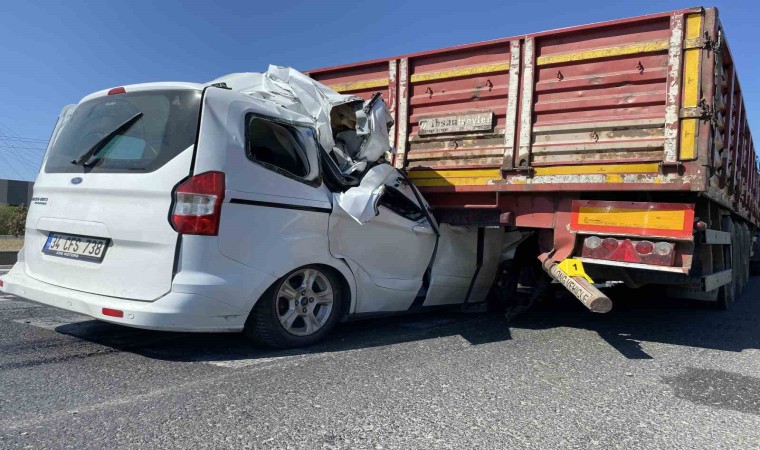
[
  {"x": 275, "y": 146},
  {"x": 400, "y": 204}
]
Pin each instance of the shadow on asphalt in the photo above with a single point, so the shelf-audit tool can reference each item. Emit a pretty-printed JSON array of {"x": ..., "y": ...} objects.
[
  {"x": 643, "y": 315},
  {"x": 196, "y": 347},
  {"x": 648, "y": 315}
]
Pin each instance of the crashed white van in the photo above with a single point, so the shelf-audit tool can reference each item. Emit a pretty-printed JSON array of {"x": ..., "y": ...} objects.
[{"x": 261, "y": 203}]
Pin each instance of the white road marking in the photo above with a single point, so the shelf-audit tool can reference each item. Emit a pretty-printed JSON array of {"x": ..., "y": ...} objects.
[{"x": 233, "y": 363}]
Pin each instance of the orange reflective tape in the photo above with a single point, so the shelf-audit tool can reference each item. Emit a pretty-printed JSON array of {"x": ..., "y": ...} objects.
[{"x": 636, "y": 218}]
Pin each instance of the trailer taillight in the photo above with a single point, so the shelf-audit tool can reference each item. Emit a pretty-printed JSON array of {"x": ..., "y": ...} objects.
[
  {"x": 198, "y": 204},
  {"x": 644, "y": 247},
  {"x": 663, "y": 248},
  {"x": 626, "y": 250},
  {"x": 610, "y": 244},
  {"x": 592, "y": 242}
]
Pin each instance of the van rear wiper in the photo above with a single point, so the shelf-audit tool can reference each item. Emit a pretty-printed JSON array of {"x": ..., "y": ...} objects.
[{"x": 85, "y": 158}]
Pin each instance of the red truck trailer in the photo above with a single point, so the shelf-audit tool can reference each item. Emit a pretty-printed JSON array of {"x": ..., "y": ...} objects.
[{"x": 622, "y": 146}]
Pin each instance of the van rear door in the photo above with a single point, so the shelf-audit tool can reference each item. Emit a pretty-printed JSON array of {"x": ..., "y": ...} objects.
[{"x": 99, "y": 219}]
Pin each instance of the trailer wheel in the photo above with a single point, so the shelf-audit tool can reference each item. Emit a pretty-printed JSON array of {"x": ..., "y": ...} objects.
[
  {"x": 727, "y": 292},
  {"x": 298, "y": 310},
  {"x": 504, "y": 287}
]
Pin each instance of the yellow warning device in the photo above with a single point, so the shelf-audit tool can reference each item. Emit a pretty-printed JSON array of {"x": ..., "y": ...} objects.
[{"x": 574, "y": 267}]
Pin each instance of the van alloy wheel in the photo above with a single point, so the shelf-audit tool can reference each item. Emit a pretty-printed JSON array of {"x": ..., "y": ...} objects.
[
  {"x": 297, "y": 310},
  {"x": 304, "y": 302}
]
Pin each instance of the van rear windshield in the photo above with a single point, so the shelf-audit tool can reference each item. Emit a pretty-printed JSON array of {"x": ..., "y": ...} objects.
[{"x": 161, "y": 124}]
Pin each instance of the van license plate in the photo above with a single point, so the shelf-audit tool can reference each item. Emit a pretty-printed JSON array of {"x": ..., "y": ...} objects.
[{"x": 72, "y": 246}]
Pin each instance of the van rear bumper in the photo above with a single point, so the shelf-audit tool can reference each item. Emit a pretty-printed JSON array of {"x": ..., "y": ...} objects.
[{"x": 174, "y": 311}]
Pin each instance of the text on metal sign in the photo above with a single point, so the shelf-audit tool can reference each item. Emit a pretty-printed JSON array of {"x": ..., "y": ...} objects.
[{"x": 480, "y": 121}]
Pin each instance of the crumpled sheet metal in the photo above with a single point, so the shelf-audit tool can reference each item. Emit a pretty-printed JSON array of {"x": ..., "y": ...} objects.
[
  {"x": 373, "y": 122},
  {"x": 295, "y": 91},
  {"x": 360, "y": 202}
]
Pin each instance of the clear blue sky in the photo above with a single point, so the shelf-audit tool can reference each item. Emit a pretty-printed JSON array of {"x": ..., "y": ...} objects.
[{"x": 53, "y": 53}]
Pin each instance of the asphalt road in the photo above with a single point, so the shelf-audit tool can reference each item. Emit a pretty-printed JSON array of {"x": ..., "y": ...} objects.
[{"x": 654, "y": 373}]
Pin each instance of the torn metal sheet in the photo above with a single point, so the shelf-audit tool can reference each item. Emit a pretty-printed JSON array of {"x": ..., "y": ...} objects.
[
  {"x": 367, "y": 140},
  {"x": 373, "y": 122},
  {"x": 292, "y": 90},
  {"x": 361, "y": 202},
  {"x": 354, "y": 130}
]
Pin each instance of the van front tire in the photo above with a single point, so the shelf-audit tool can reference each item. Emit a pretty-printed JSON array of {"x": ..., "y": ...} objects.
[{"x": 298, "y": 310}]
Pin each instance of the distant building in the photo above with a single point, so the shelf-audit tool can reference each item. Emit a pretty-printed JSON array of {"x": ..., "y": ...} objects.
[{"x": 15, "y": 192}]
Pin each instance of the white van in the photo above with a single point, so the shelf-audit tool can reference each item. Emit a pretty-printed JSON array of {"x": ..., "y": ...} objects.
[{"x": 192, "y": 207}]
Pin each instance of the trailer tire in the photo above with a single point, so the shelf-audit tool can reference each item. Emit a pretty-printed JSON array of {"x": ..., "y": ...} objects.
[
  {"x": 504, "y": 287},
  {"x": 265, "y": 325}
]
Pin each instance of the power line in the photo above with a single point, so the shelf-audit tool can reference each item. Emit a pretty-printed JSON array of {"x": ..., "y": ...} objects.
[
  {"x": 20, "y": 139},
  {"x": 12, "y": 166},
  {"x": 30, "y": 160},
  {"x": 22, "y": 147},
  {"x": 15, "y": 137},
  {"x": 26, "y": 159},
  {"x": 21, "y": 155},
  {"x": 8, "y": 129},
  {"x": 28, "y": 142}
]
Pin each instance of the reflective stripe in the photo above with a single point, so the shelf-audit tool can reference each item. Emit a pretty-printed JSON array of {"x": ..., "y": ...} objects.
[
  {"x": 460, "y": 72},
  {"x": 607, "y": 52},
  {"x": 597, "y": 169},
  {"x": 631, "y": 218},
  {"x": 674, "y": 220},
  {"x": 690, "y": 93},
  {"x": 458, "y": 177},
  {"x": 359, "y": 85}
]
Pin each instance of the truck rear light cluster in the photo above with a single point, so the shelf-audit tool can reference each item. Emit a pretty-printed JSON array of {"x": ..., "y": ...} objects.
[
  {"x": 642, "y": 252},
  {"x": 198, "y": 204}
]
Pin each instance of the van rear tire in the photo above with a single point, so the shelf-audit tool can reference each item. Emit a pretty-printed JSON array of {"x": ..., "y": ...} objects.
[{"x": 298, "y": 310}]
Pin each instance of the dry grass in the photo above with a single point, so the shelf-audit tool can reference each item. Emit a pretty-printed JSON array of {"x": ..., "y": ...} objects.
[{"x": 11, "y": 245}]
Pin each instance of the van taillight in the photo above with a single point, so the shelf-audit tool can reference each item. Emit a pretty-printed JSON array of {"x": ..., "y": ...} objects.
[
  {"x": 113, "y": 312},
  {"x": 198, "y": 204}
]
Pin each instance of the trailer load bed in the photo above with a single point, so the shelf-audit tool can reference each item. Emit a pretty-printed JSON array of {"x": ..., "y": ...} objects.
[
  {"x": 650, "y": 103},
  {"x": 627, "y": 132}
]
